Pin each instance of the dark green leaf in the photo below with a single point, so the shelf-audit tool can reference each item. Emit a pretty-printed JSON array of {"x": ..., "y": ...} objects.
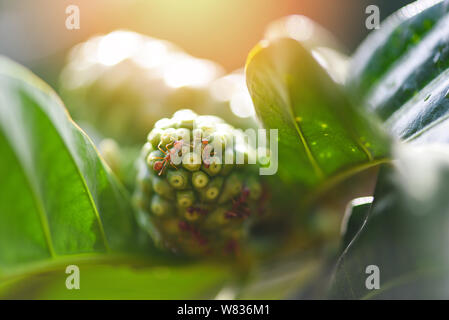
[
  {"x": 401, "y": 72},
  {"x": 404, "y": 234},
  {"x": 59, "y": 198},
  {"x": 397, "y": 36},
  {"x": 321, "y": 135},
  {"x": 121, "y": 278},
  {"x": 354, "y": 218},
  {"x": 283, "y": 278}
]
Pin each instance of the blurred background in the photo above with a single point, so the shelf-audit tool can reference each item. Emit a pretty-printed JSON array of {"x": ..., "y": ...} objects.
[{"x": 34, "y": 33}]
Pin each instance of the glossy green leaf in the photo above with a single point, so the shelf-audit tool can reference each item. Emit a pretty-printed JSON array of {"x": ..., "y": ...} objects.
[
  {"x": 397, "y": 36},
  {"x": 60, "y": 205},
  {"x": 283, "y": 279},
  {"x": 354, "y": 218},
  {"x": 404, "y": 234},
  {"x": 122, "y": 278},
  {"x": 59, "y": 198},
  {"x": 325, "y": 47},
  {"x": 321, "y": 135},
  {"x": 401, "y": 72}
]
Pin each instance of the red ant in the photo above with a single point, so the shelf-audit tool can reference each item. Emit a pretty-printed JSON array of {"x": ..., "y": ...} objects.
[
  {"x": 169, "y": 153},
  {"x": 184, "y": 226},
  {"x": 264, "y": 199},
  {"x": 231, "y": 247},
  {"x": 200, "y": 210},
  {"x": 239, "y": 206},
  {"x": 206, "y": 161}
]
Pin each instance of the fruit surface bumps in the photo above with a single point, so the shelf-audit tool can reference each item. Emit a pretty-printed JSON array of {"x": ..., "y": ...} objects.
[{"x": 194, "y": 196}]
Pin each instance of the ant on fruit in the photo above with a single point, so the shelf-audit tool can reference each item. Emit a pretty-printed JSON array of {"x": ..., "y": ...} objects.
[
  {"x": 202, "y": 211},
  {"x": 206, "y": 159},
  {"x": 169, "y": 154},
  {"x": 264, "y": 199},
  {"x": 231, "y": 247},
  {"x": 239, "y": 206},
  {"x": 184, "y": 226}
]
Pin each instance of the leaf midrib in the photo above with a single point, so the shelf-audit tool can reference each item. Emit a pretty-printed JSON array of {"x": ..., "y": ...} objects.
[
  {"x": 77, "y": 169},
  {"x": 35, "y": 197},
  {"x": 309, "y": 153}
]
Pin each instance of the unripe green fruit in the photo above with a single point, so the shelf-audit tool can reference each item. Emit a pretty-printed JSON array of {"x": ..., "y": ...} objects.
[
  {"x": 216, "y": 219},
  {"x": 191, "y": 215},
  {"x": 232, "y": 187},
  {"x": 202, "y": 203},
  {"x": 146, "y": 149},
  {"x": 162, "y": 188},
  {"x": 154, "y": 137},
  {"x": 160, "y": 206},
  {"x": 213, "y": 166},
  {"x": 187, "y": 124},
  {"x": 163, "y": 123},
  {"x": 228, "y": 162},
  {"x": 145, "y": 182},
  {"x": 182, "y": 134},
  {"x": 199, "y": 179},
  {"x": 168, "y": 136},
  {"x": 154, "y": 156},
  {"x": 185, "y": 119},
  {"x": 178, "y": 179},
  {"x": 191, "y": 161},
  {"x": 255, "y": 188},
  {"x": 185, "y": 199},
  {"x": 212, "y": 191}
]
